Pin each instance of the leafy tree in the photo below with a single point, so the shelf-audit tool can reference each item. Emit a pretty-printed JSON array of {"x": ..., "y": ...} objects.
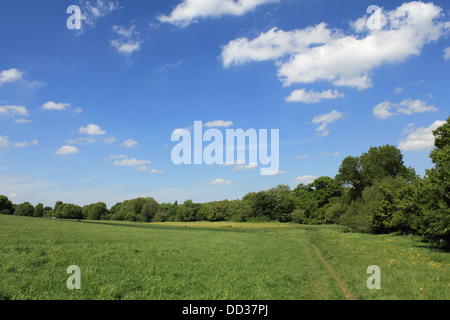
[
  {"x": 24, "y": 209},
  {"x": 371, "y": 166},
  {"x": 391, "y": 203},
  {"x": 38, "y": 210},
  {"x": 6, "y": 206},
  {"x": 96, "y": 211},
  {"x": 433, "y": 192},
  {"x": 149, "y": 210}
]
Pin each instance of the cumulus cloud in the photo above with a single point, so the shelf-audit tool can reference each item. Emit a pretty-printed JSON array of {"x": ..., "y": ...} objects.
[
  {"x": 65, "y": 150},
  {"x": 220, "y": 182},
  {"x": 11, "y": 75},
  {"x": 420, "y": 139},
  {"x": 130, "y": 143},
  {"x": 312, "y": 96},
  {"x": 324, "y": 54},
  {"x": 388, "y": 109},
  {"x": 154, "y": 171},
  {"x": 50, "y": 105},
  {"x": 13, "y": 110},
  {"x": 188, "y": 11},
  {"x": 92, "y": 130},
  {"x": 324, "y": 120}
]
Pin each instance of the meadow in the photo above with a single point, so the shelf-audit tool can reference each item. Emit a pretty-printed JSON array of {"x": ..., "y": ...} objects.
[{"x": 213, "y": 261}]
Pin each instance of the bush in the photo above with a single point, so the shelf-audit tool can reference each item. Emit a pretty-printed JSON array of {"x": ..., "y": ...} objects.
[
  {"x": 298, "y": 216},
  {"x": 356, "y": 216}
]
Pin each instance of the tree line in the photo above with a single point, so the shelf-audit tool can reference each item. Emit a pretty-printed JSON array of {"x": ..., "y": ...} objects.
[{"x": 373, "y": 192}]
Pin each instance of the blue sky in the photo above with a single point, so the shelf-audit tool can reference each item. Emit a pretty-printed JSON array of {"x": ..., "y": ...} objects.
[{"x": 87, "y": 115}]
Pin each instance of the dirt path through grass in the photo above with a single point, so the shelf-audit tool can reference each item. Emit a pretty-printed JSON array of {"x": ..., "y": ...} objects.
[{"x": 339, "y": 281}]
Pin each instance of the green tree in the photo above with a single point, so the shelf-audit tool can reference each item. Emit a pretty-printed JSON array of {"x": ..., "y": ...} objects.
[
  {"x": 433, "y": 193},
  {"x": 39, "y": 210},
  {"x": 24, "y": 209},
  {"x": 6, "y": 206}
]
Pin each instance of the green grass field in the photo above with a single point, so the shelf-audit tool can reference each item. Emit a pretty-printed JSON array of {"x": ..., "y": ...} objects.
[{"x": 212, "y": 261}]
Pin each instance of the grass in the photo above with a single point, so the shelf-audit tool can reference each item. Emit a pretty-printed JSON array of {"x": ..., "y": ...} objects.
[{"x": 210, "y": 261}]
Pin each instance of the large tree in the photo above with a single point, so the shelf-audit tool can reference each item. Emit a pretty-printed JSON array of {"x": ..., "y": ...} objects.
[{"x": 433, "y": 193}]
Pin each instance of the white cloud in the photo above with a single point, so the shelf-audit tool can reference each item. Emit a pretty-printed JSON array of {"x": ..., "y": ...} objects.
[
  {"x": 153, "y": 171},
  {"x": 447, "y": 53},
  {"x": 110, "y": 140},
  {"x": 340, "y": 58},
  {"x": 128, "y": 41},
  {"x": 388, "y": 109},
  {"x": 312, "y": 96},
  {"x": 421, "y": 138},
  {"x": 398, "y": 90},
  {"x": 120, "y": 156},
  {"x": 131, "y": 162},
  {"x": 92, "y": 11},
  {"x": 303, "y": 156},
  {"x": 305, "y": 179},
  {"x": 11, "y": 75},
  {"x": 188, "y": 11},
  {"x": 55, "y": 106},
  {"x": 65, "y": 150},
  {"x": 130, "y": 143},
  {"x": 92, "y": 130},
  {"x": 169, "y": 66},
  {"x": 326, "y": 119},
  {"x": 218, "y": 123},
  {"x": 22, "y": 121},
  {"x": 220, "y": 182},
  {"x": 142, "y": 168},
  {"x": 82, "y": 141},
  {"x": 4, "y": 141},
  {"x": 13, "y": 110},
  {"x": 25, "y": 144}
]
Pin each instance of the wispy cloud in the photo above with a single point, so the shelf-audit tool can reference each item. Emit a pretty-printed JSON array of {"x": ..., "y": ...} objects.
[
  {"x": 131, "y": 162},
  {"x": 220, "y": 182},
  {"x": 325, "y": 119},
  {"x": 13, "y": 110},
  {"x": 169, "y": 66},
  {"x": 128, "y": 40},
  {"x": 92, "y": 11}
]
